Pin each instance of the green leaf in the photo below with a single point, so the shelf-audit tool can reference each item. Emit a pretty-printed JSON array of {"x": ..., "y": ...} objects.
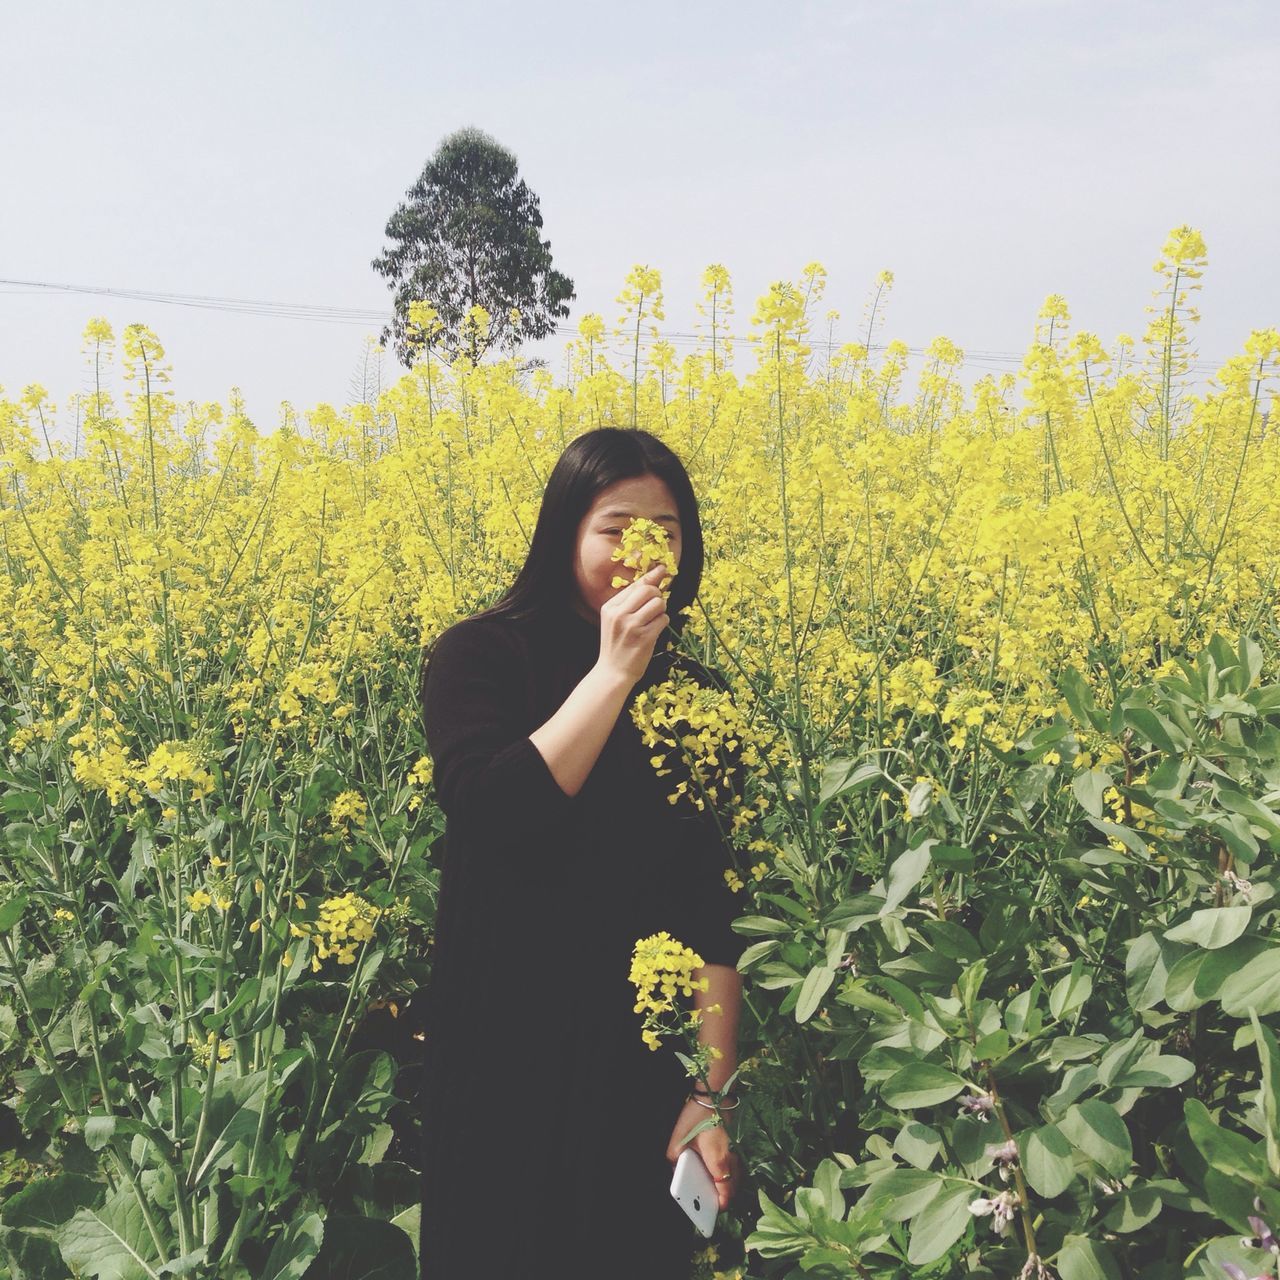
[
  {"x": 1083, "y": 1259},
  {"x": 918, "y": 1144},
  {"x": 1088, "y": 786},
  {"x": 905, "y": 873},
  {"x": 815, "y": 986},
  {"x": 1136, "y": 1207},
  {"x": 1256, "y": 987},
  {"x": 854, "y": 912},
  {"x": 1156, "y": 729},
  {"x": 920, "y": 1084},
  {"x": 12, "y": 911},
  {"x": 355, "y": 1248},
  {"x": 940, "y": 1224},
  {"x": 1228, "y": 1152},
  {"x": 1212, "y": 927},
  {"x": 1095, "y": 1128},
  {"x": 970, "y": 981},
  {"x": 1079, "y": 697},
  {"x": 905, "y": 1191},
  {"x": 1046, "y": 1160},
  {"x": 1268, "y": 1090},
  {"x": 839, "y": 777},
  {"x": 826, "y": 1181},
  {"x": 48, "y": 1202},
  {"x": 1252, "y": 809},
  {"x": 1201, "y": 976},
  {"x": 295, "y": 1248},
  {"x": 110, "y": 1243},
  {"x": 1160, "y": 1071},
  {"x": 761, "y": 924},
  {"x": 1070, "y": 992}
]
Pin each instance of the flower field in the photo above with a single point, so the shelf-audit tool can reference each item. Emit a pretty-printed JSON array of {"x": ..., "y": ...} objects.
[{"x": 1003, "y": 668}]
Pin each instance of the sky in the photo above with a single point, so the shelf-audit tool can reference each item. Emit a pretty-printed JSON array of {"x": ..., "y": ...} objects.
[{"x": 987, "y": 152}]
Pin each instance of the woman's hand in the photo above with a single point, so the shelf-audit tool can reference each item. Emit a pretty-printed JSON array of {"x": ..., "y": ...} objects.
[
  {"x": 712, "y": 1145},
  {"x": 630, "y": 624}
]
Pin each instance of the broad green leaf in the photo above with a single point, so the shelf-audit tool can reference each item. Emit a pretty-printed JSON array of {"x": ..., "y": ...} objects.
[
  {"x": 905, "y": 1191},
  {"x": 940, "y": 1224},
  {"x": 826, "y": 1181},
  {"x": 1226, "y": 1151},
  {"x": 1070, "y": 992},
  {"x": 1156, "y": 729},
  {"x": 1046, "y": 1160},
  {"x": 761, "y": 924},
  {"x": 112, "y": 1242},
  {"x": 854, "y": 912},
  {"x": 920, "y": 1084},
  {"x": 970, "y": 981},
  {"x": 49, "y": 1202},
  {"x": 1136, "y": 1207},
  {"x": 906, "y": 871},
  {"x": 1212, "y": 927},
  {"x": 1160, "y": 1071},
  {"x": 1252, "y": 809},
  {"x": 1083, "y": 1259},
  {"x": 1079, "y": 698},
  {"x": 839, "y": 777},
  {"x": 295, "y": 1248},
  {"x": 12, "y": 911},
  {"x": 1122, "y": 1055},
  {"x": 355, "y": 1248},
  {"x": 1088, "y": 786},
  {"x": 815, "y": 986},
  {"x": 1269, "y": 1090},
  {"x": 1256, "y": 987},
  {"x": 918, "y": 1144},
  {"x": 1096, "y": 1128},
  {"x": 1200, "y": 976}
]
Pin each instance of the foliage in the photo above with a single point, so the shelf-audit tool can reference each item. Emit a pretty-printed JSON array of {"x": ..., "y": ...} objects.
[
  {"x": 1005, "y": 851},
  {"x": 467, "y": 236}
]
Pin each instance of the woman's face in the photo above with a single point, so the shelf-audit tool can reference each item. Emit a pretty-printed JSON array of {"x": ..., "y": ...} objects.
[{"x": 600, "y": 534}]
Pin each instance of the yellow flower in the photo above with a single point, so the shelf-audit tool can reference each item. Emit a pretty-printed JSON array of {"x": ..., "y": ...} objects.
[
  {"x": 659, "y": 961},
  {"x": 645, "y": 544}
]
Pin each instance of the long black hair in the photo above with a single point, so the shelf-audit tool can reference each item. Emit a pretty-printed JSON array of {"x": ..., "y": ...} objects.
[{"x": 543, "y": 589}]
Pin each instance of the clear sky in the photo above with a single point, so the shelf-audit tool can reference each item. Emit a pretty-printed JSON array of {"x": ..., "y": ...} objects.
[{"x": 988, "y": 152}]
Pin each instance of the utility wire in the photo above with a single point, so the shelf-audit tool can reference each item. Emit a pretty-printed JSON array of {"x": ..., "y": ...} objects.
[{"x": 994, "y": 361}]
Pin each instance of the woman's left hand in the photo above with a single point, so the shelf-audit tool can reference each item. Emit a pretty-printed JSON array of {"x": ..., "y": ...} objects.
[{"x": 712, "y": 1145}]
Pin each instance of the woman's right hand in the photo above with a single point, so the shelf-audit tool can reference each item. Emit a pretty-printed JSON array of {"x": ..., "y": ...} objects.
[{"x": 630, "y": 624}]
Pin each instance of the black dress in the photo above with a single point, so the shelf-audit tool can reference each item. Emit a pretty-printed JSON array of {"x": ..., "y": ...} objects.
[{"x": 546, "y": 1117}]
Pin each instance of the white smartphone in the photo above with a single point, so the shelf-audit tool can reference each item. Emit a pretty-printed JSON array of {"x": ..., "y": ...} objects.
[{"x": 694, "y": 1190}]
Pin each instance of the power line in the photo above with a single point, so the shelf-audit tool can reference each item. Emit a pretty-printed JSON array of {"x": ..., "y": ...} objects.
[{"x": 321, "y": 313}]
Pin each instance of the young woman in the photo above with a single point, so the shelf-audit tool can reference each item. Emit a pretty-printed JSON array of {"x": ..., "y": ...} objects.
[{"x": 550, "y": 1128}]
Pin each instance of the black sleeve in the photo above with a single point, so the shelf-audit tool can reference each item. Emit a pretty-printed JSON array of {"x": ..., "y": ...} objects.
[
  {"x": 488, "y": 776},
  {"x": 709, "y": 905}
]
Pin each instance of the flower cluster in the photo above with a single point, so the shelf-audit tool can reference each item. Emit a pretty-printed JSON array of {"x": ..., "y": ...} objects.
[
  {"x": 342, "y": 924},
  {"x": 202, "y": 1050},
  {"x": 645, "y": 544},
  {"x": 711, "y": 742},
  {"x": 660, "y": 961}
]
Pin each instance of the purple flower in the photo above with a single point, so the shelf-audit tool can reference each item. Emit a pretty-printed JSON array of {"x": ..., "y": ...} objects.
[
  {"x": 1004, "y": 1157},
  {"x": 1000, "y": 1209},
  {"x": 982, "y": 1105},
  {"x": 1263, "y": 1237}
]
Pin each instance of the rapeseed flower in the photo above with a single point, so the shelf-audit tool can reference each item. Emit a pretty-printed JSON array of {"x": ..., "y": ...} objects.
[{"x": 645, "y": 543}]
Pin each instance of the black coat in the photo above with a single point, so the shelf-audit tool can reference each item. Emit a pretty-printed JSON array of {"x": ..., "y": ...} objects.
[{"x": 546, "y": 1117}]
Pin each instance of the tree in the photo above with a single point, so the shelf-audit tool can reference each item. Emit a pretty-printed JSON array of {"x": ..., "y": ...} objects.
[{"x": 467, "y": 235}]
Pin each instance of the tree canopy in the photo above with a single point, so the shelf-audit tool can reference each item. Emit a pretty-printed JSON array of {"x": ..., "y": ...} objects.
[{"x": 468, "y": 234}]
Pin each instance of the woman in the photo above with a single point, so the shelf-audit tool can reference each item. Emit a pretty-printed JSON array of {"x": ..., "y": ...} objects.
[{"x": 550, "y": 1128}]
